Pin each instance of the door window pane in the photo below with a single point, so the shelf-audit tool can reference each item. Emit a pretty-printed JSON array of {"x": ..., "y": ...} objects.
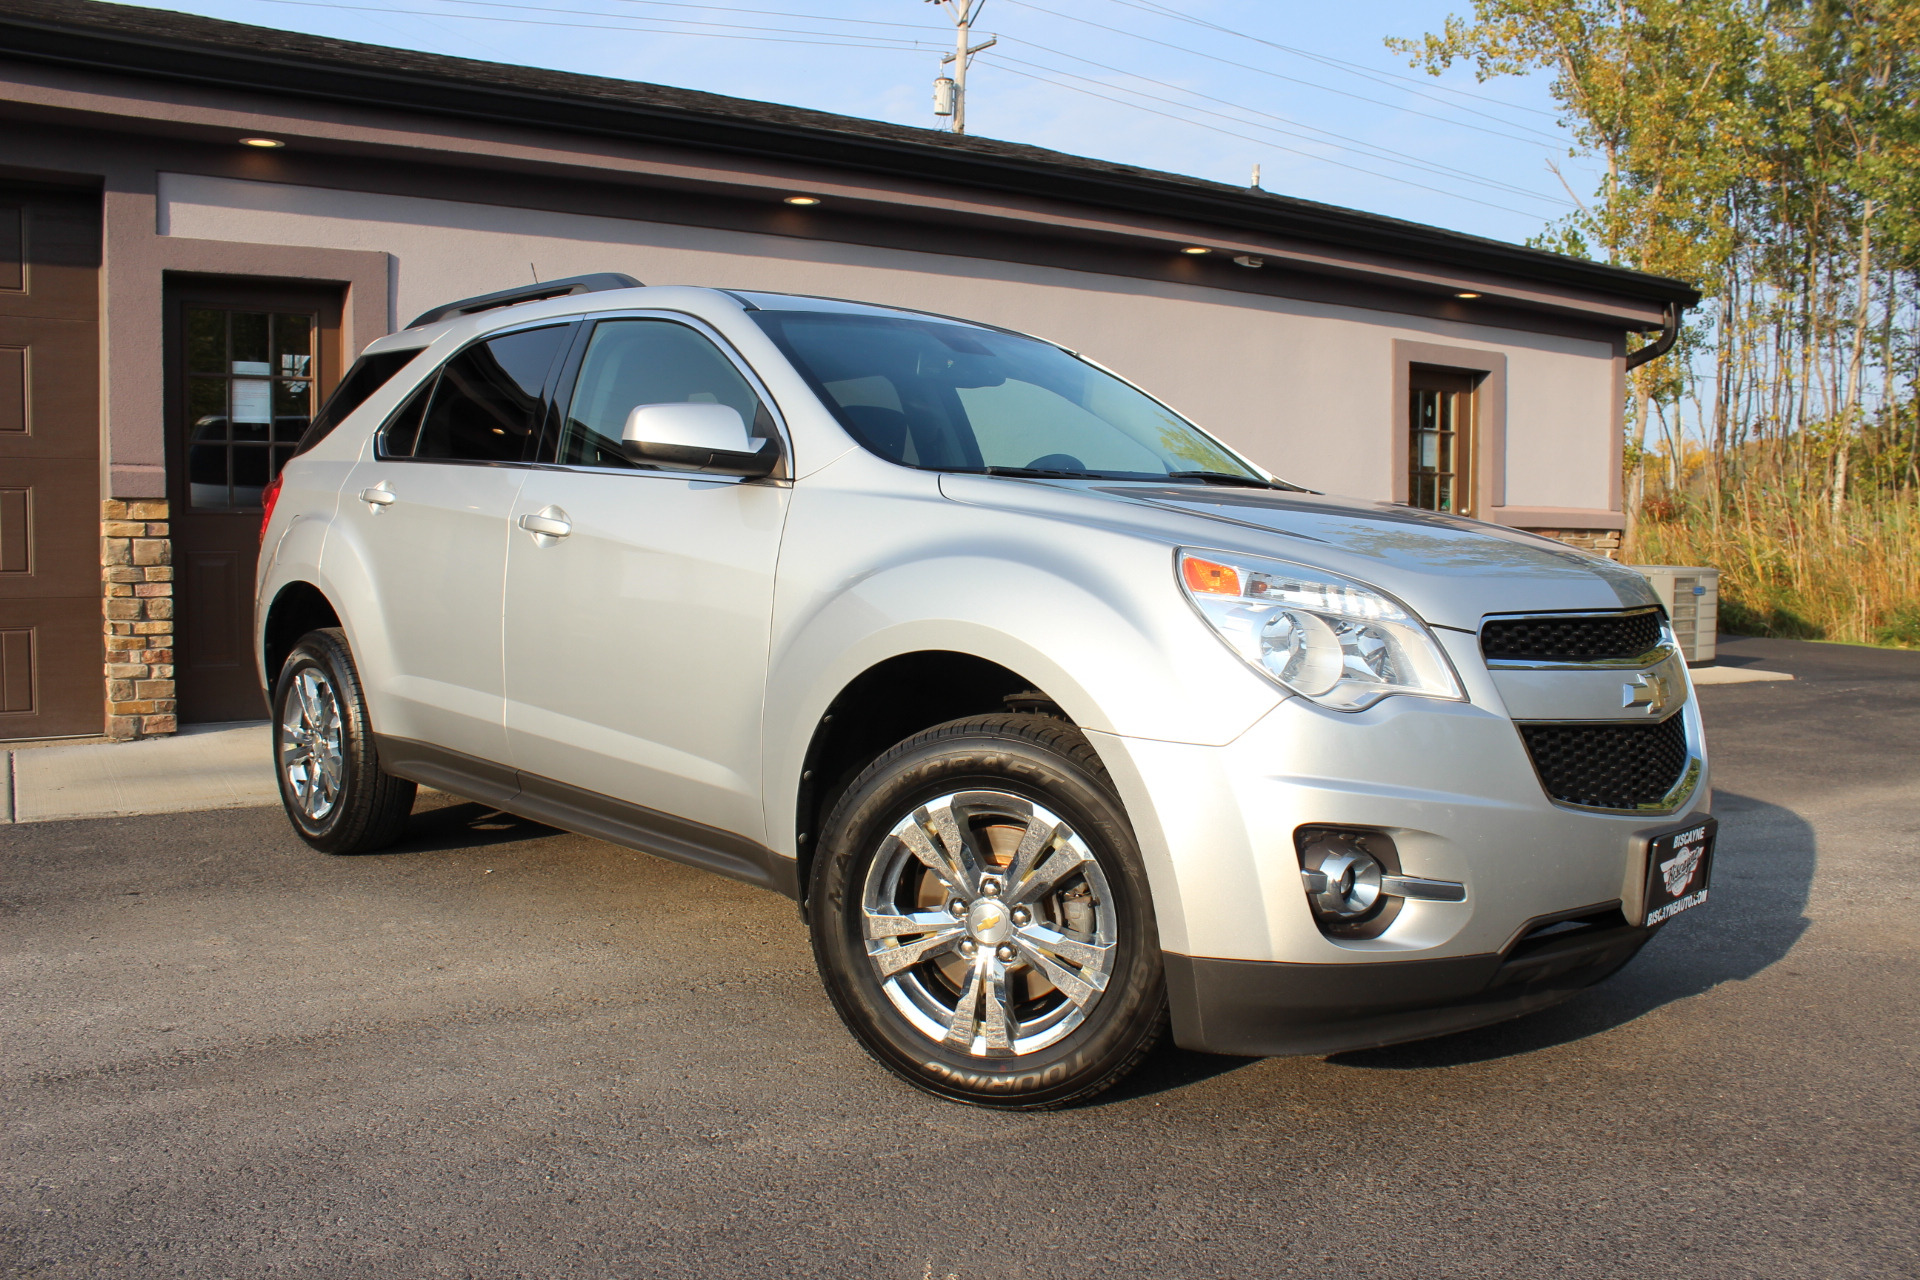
[
  {"x": 206, "y": 341},
  {"x": 1441, "y": 423},
  {"x": 259, "y": 397},
  {"x": 486, "y": 405},
  {"x": 635, "y": 362},
  {"x": 251, "y": 341}
]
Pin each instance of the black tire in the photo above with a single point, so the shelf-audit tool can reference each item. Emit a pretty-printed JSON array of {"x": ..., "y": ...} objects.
[
  {"x": 347, "y": 805},
  {"x": 869, "y": 879}
]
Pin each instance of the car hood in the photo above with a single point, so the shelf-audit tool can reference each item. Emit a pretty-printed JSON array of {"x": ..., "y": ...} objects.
[{"x": 1450, "y": 570}]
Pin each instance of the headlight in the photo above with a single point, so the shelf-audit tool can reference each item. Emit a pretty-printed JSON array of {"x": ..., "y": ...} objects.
[{"x": 1323, "y": 636}]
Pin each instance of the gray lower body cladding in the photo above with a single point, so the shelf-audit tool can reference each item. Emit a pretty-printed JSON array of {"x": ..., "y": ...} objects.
[{"x": 1267, "y": 1009}]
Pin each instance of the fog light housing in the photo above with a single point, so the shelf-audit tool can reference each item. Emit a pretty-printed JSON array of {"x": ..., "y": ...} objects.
[
  {"x": 1348, "y": 873},
  {"x": 1343, "y": 882}
]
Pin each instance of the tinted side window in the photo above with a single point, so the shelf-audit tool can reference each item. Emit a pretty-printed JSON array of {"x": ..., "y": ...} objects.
[
  {"x": 486, "y": 402},
  {"x": 403, "y": 428},
  {"x": 368, "y": 375},
  {"x": 636, "y": 362}
]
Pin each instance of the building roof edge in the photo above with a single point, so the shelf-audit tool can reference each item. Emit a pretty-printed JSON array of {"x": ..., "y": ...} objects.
[{"x": 165, "y": 45}]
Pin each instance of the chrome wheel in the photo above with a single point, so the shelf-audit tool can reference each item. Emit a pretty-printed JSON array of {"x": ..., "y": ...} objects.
[
  {"x": 989, "y": 924},
  {"x": 312, "y": 745}
]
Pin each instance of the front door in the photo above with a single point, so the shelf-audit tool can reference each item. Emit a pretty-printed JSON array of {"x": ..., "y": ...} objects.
[
  {"x": 51, "y": 677},
  {"x": 636, "y": 640},
  {"x": 249, "y": 363}
]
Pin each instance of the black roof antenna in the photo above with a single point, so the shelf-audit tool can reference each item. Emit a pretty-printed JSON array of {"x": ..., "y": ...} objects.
[{"x": 599, "y": 282}]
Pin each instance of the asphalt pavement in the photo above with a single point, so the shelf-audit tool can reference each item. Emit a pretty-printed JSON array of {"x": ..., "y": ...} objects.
[{"x": 498, "y": 1050}]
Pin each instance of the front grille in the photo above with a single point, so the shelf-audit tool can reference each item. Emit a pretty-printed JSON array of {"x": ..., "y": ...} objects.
[
  {"x": 1571, "y": 637},
  {"x": 1609, "y": 766}
]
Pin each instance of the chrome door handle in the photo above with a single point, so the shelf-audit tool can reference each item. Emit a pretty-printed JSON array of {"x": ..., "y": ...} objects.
[
  {"x": 381, "y": 495},
  {"x": 548, "y": 523}
]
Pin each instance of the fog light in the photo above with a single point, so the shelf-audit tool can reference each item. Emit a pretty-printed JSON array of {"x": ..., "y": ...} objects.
[{"x": 1342, "y": 882}]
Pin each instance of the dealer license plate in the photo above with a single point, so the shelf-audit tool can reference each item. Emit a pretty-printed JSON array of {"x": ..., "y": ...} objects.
[{"x": 1678, "y": 864}]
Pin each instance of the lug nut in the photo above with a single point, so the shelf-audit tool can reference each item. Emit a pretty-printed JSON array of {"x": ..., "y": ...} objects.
[
  {"x": 1005, "y": 952},
  {"x": 990, "y": 887},
  {"x": 967, "y": 947},
  {"x": 1021, "y": 915},
  {"x": 958, "y": 907}
]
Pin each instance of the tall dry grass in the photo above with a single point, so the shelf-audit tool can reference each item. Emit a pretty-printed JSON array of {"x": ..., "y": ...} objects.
[{"x": 1790, "y": 568}]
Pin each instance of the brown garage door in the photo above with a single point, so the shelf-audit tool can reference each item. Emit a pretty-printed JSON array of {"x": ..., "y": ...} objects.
[{"x": 51, "y": 652}]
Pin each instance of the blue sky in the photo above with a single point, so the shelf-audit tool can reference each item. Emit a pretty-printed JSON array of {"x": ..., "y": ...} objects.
[{"x": 1307, "y": 91}]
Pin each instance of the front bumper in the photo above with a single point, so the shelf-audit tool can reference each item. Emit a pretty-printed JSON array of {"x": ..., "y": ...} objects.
[
  {"x": 1261, "y": 1009},
  {"x": 1249, "y": 969}
]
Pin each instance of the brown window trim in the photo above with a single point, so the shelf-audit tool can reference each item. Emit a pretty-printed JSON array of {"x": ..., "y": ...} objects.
[
  {"x": 1488, "y": 483},
  {"x": 240, "y": 293}
]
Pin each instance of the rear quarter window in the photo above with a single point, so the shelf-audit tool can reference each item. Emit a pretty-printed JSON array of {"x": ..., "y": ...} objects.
[{"x": 369, "y": 373}]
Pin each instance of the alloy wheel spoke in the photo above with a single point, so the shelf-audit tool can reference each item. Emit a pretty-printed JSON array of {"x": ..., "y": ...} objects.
[
  {"x": 1039, "y": 836},
  {"x": 329, "y": 771},
  {"x": 1064, "y": 861},
  {"x": 1082, "y": 955},
  {"x": 1074, "y": 985},
  {"x": 885, "y": 926},
  {"x": 309, "y": 712},
  {"x": 966, "y": 1012},
  {"x": 891, "y": 960},
  {"x": 957, "y": 841},
  {"x": 998, "y": 1025},
  {"x": 934, "y": 857}
]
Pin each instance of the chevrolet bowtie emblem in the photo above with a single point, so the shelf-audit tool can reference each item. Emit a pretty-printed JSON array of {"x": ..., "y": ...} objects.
[{"x": 1647, "y": 690}]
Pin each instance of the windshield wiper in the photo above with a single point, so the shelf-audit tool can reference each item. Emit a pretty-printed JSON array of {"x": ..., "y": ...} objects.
[
  {"x": 1042, "y": 472},
  {"x": 1229, "y": 477}
]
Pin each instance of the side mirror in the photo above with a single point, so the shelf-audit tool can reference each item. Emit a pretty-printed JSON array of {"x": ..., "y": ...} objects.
[{"x": 696, "y": 437}]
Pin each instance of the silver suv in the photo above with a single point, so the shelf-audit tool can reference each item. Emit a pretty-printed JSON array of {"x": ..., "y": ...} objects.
[{"x": 1066, "y": 725}]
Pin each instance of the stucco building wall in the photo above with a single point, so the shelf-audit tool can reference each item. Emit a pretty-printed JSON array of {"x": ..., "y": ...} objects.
[{"x": 1306, "y": 388}]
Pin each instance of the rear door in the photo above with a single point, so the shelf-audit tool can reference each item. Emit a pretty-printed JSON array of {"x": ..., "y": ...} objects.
[
  {"x": 636, "y": 640},
  {"x": 427, "y": 516}
]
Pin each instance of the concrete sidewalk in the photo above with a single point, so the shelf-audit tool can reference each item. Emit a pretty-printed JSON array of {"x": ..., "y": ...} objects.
[{"x": 217, "y": 766}]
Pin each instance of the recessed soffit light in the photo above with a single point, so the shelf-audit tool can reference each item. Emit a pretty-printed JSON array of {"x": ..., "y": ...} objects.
[
  {"x": 1466, "y": 295},
  {"x": 802, "y": 200},
  {"x": 261, "y": 142},
  {"x": 1196, "y": 250}
]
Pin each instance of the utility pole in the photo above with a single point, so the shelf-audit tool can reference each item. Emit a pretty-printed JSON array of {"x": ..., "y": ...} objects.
[{"x": 950, "y": 93}]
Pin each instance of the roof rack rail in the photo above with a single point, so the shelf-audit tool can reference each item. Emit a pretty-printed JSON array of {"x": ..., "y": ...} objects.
[{"x": 599, "y": 282}]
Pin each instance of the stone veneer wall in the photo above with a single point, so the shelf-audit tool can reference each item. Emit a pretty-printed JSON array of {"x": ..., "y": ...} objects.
[
  {"x": 1605, "y": 542},
  {"x": 136, "y": 588}
]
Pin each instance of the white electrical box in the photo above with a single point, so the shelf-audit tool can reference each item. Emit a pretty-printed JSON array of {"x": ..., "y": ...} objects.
[
  {"x": 1692, "y": 597},
  {"x": 943, "y": 96}
]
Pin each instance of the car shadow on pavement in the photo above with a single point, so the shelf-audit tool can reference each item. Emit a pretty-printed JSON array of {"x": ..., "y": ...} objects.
[
  {"x": 1763, "y": 870},
  {"x": 461, "y": 824}
]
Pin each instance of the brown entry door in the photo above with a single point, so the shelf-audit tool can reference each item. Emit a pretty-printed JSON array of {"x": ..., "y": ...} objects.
[
  {"x": 248, "y": 364},
  {"x": 52, "y": 683}
]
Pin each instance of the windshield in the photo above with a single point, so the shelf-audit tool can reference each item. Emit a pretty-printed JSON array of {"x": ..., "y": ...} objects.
[{"x": 951, "y": 397}]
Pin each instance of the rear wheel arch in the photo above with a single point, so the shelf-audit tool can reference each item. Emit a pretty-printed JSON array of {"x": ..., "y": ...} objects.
[{"x": 298, "y": 608}]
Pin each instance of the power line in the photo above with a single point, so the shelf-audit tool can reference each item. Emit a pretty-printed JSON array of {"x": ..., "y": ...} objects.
[
  {"x": 849, "y": 42},
  {"x": 1541, "y": 138},
  {"x": 1343, "y": 141},
  {"x": 771, "y": 13},
  {"x": 861, "y": 40},
  {"x": 1388, "y": 177},
  {"x": 1160, "y": 10}
]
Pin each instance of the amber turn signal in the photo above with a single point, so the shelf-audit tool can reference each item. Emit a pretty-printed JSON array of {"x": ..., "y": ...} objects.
[{"x": 1209, "y": 577}]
